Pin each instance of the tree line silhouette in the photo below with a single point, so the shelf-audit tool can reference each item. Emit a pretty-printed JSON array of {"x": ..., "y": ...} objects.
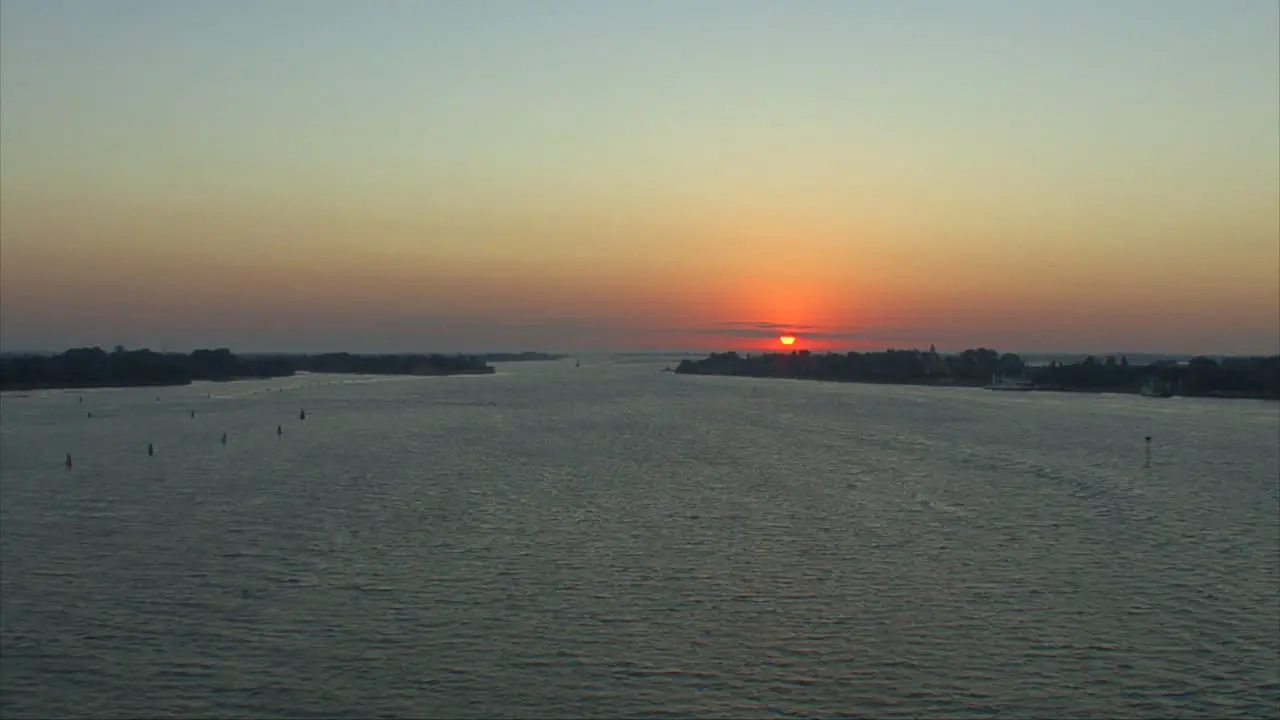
[
  {"x": 95, "y": 367},
  {"x": 1254, "y": 377}
]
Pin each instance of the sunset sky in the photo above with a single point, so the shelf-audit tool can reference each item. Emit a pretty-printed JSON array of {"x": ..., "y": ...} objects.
[{"x": 417, "y": 175}]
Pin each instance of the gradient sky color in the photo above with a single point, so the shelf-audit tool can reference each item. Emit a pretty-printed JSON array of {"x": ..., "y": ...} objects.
[{"x": 485, "y": 175}]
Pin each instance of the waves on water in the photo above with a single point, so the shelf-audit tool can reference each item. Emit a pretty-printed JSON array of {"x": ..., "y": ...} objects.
[{"x": 610, "y": 541}]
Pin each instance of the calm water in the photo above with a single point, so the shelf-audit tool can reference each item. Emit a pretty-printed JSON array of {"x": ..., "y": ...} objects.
[{"x": 615, "y": 542}]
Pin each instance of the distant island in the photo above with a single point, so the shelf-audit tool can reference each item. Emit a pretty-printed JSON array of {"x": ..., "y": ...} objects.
[
  {"x": 95, "y": 367},
  {"x": 1234, "y": 377}
]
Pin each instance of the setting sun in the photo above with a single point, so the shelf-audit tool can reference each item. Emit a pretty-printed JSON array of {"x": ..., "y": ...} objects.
[{"x": 787, "y": 340}]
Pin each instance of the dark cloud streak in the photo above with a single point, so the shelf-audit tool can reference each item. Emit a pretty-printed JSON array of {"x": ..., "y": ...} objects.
[{"x": 768, "y": 330}]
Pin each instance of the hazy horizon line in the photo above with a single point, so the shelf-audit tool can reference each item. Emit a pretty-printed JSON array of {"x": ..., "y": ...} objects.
[{"x": 660, "y": 352}]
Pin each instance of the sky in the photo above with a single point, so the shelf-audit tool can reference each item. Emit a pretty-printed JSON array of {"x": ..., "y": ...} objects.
[{"x": 406, "y": 175}]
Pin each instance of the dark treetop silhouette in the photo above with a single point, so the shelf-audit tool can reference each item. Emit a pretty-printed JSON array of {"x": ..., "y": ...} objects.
[
  {"x": 94, "y": 367},
  {"x": 1246, "y": 377}
]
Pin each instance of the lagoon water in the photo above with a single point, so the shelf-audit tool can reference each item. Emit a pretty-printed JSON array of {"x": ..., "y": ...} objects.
[{"x": 609, "y": 541}]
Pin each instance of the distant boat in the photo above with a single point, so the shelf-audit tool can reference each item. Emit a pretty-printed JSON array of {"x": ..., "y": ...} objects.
[
  {"x": 577, "y": 363},
  {"x": 1000, "y": 382}
]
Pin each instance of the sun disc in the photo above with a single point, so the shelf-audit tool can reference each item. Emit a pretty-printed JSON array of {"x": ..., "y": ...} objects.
[{"x": 787, "y": 340}]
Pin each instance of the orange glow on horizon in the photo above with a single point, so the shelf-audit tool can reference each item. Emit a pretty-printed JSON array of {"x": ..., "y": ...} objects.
[{"x": 787, "y": 340}]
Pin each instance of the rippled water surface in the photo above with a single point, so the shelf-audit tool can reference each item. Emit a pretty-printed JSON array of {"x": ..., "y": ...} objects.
[{"x": 614, "y": 542}]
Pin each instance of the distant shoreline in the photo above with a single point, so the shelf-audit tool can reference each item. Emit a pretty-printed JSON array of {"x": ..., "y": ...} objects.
[
  {"x": 8, "y": 390},
  {"x": 91, "y": 368},
  {"x": 1231, "y": 379},
  {"x": 983, "y": 386}
]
